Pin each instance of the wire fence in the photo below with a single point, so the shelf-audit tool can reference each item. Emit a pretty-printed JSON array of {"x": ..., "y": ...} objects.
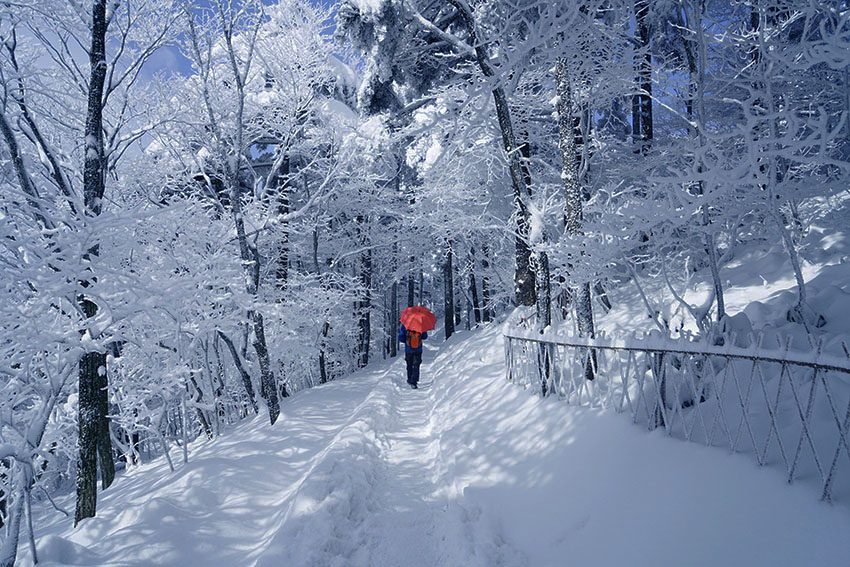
[{"x": 788, "y": 410}]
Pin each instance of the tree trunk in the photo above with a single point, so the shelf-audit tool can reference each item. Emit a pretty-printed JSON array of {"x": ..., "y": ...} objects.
[
  {"x": 93, "y": 440},
  {"x": 249, "y": 255},
  {"x": 283, "y": 207},
  {"x": 711, "y": 250},
  {"x": 411, "y": 290},
  {"x": 542, "y": 299},
  {"x": 636, "y": 142},
  {"x": 394, "y": 314},
  {"x": 544, "y": 293},
  {"x": 89, "y": 419},
  {"x": 323, "y": 371},
  {"x": 267, "y": 382},
  {"x": 458, "y": 296},
  {"x": 385, "y": 300},
  {"x": 251, "y": 262},
  {"x": 365, "y": 305},
  {"x": 544, "y": 320},
  {"x": 219, "y": 378},
  {"x": 524, "y": 287},
  {"x": 9, "y": 548},
  {"x": 473, "y": 288},
  {"x": 572, "y": 184},
  {"x": 644, "y": 73},
  {"x": 246, "y": 378},
  {"x": 695, "y": 109},
  {"x": 487, "y": 312},
  {"x": 104, "y": 440},
  {"x": 448, "y": 294},
  {"x": 572, "y": 191},
  {"x": 199, "y": 398}
]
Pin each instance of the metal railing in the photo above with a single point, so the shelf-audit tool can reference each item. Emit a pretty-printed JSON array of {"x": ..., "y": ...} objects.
[{"x": 783, "y": 408}]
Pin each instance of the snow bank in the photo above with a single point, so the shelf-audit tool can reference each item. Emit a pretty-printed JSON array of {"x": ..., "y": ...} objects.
[
  {"x": 324, "y": 521},
  {"x": 567, "y": 482}
]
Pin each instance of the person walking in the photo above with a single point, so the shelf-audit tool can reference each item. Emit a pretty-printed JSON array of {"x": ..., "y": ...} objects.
[
  {"x": 412, "y": 353},
  {"x": 416, "y": 321}
]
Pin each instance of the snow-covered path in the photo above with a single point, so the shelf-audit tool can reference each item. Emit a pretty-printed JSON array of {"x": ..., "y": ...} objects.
[
  {"x": 468, "y": 470},
  {"x": 409, "y": 502}
]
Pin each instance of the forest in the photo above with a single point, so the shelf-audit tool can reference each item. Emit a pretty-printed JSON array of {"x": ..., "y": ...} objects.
[{"x": 211, "y": 206}]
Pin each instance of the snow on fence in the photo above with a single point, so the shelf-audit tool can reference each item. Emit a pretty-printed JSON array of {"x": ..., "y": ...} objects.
[{"x": 781, "y": 407}]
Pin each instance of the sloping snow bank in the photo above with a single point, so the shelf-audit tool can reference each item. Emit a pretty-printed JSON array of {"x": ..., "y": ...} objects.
[
  {"x": 237, "y": 496},
  {"x": 568, "y": 485}
]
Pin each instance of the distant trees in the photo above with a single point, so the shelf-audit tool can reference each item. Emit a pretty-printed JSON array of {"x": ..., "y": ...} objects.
[{"x": 685, "y": 125}]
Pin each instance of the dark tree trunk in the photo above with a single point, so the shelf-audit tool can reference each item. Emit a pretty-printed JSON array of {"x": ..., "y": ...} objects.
[
  {"x": 104, "y": 441},
  {"x": 573, "y": 214},
  {"x": 94, "y": 440},
  {"x": 283, "y": 207},
  {"x": 584, "y": 318},
  {"x": 448, "y": 294},
  {"x": 636, "y": 118},
  {"x": 88, "y": 433},
  {"x": 487, "y": 311},
  {"x": 268, "y": 385},
  {"x": 387, "y": 344},
  {"x": 473, "y": 288},
  {"x": 544, "y": 293},
  {"x": 316, "y": 267},
  {"x": 411, "y": 290},
  {"x": 394, "y": 314},
  {"x": 251, "y": 261},
  {"x": 19, "y": 165},
  {"x": 524, "y": 276},
  {"x": 199, "y": 398},
  {"x": 323, "y": 370},
  {"x": 458, "y": 295},
  {"x": 644, "y": 73},
  {"x": 544, "y": 320},
  {"x": 246, "y": 378},
  {"x": 600, "y": 292},
  {"x": 365, "y": 305},
  {"x": 249, "y": 254},
  {"x": 219, "y": 379},
  {"x": 542, "y": 297}
]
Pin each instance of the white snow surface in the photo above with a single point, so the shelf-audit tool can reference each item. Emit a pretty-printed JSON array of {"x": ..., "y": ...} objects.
[{"x": 469, "y": 470}]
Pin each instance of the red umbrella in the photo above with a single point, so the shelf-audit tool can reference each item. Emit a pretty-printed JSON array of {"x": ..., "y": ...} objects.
[{"x": 418, "y": 318}]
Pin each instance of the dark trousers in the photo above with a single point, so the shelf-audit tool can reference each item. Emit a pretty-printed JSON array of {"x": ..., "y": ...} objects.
[{"x": 414, "y": 359}]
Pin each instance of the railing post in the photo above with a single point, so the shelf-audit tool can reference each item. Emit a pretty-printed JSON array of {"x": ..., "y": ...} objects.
[
  {"x": 660, "y": 380},
  {"x": 508, "y": 359},
  {"x": 543, "y": 367}
]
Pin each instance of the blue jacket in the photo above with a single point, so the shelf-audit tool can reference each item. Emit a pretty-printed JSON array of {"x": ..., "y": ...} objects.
[{"x": 402, "y": 338}]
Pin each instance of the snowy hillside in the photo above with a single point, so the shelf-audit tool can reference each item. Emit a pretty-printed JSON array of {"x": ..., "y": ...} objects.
[
  {"x": 468, "y": 470},
  {"x": 760, "y": 286}
]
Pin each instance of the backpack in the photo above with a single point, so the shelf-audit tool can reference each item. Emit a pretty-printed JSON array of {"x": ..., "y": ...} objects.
[{"x": 414, "y": 339}]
